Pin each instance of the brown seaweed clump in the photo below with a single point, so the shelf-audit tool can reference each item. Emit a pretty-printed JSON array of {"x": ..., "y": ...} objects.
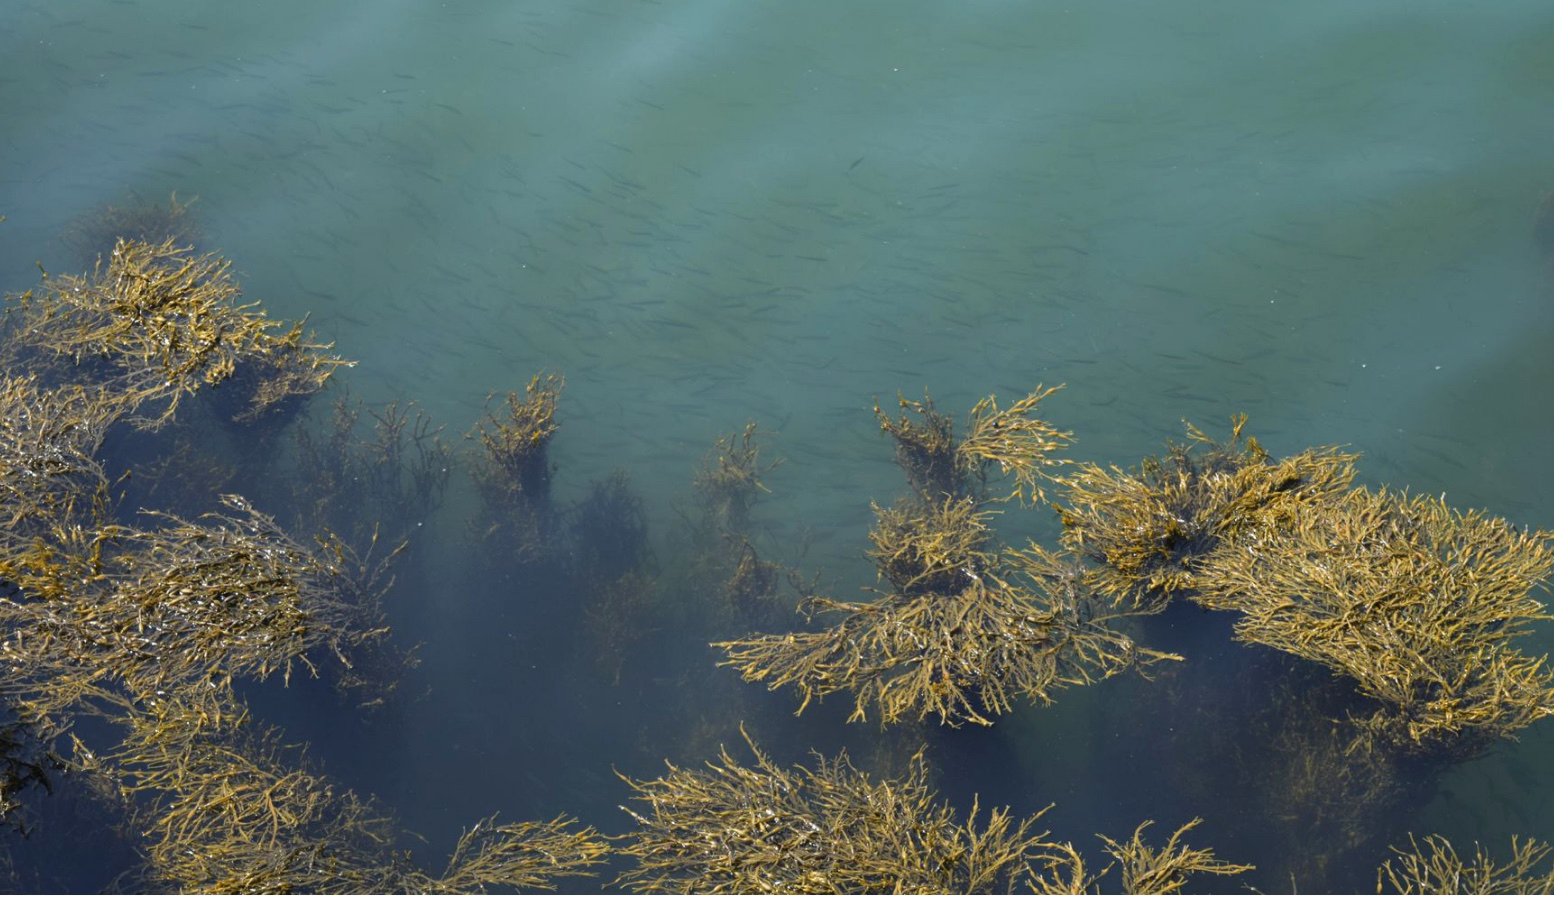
[
  {"x": 513, "y": 470},
  {"x": 733, "y": 829},
  {"x": 144, "y": 629},
  {"x": 515, "y": 465},
  {"x": 1150, "y": 871},
  {"x": 1437, "y": 869},
  {"x": 729, "y": 480},
  {"x": 1312, "y": 801},
  {"x": 49, "y": 471},
  {"x": 1419, "y": 604},
  {"x": 612, "y": 567},
  {"x": 963, "y": 632},
  {"x": 1150, "y": 531},
  {"x": 157, "y": 324},
  {"x": 831, "y": 829},
  {"x": 148, "y": 629},
  {"x": 937, "y": 465},
  {"x": 726, "y": 562},
  {"x": 140, "y": 612},
  {"x": 226, "y": 807},
  {"x": 966, "y": 627}
]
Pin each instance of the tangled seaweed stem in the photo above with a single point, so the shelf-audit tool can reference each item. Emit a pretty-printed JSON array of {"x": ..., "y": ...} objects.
[
  {"x": 926, "y": 450},
  {"x": 831, "y": 829},
  {"x": 1148, "y": 871},
  {"x": 1017, "y": 441},
  {"x": 27, "y": 759},
  {"x": 939, "y": 466},
  {"x": 1150, "y": 531},
  {"x": 515, "y": 465},
  {"x": 513, "y": 472},
  {"x": 194, "y": 602},
  {"x": 396, "y": 474},
  {"x": 516, "y": 856},
  {"x": 933, "y": 549},
  {"x": 1436, "y": 869},
  {"x": 49, "y": 474},
  {"x": 729, "y": 479}
]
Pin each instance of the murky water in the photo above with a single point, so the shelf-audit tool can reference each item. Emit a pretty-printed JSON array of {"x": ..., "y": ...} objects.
[{"x": 701, "y": 213}]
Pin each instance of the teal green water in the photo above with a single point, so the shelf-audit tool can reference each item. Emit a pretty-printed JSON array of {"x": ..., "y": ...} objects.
[{"x": 1319, "y": 214}]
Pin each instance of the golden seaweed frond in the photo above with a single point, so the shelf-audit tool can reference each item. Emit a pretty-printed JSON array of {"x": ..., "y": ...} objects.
[
  {"x": 938, "y": 465},
  {"x": 49, "y": 473},
  {"x": 1016, "y": 440},
  {"x": 518, "y": 857},
  {"x": 225, "y": 807},
  {"x": 513, "y": 472},
  {"x": 961, "y": 636},
  {"x": 1419, "y": 603},
  {"x": 515, "y": 466},
  {"x": 1150, "y": 530},
  {"x": 933, "y": 548},
  {"x": 1164, "y": 871},
  {"x": 269, "y": 380},
  {"x": 194, "y": 602},
  {"x": 729, "y": 479},
  {"x": 1436, "y": 869},
  {"x": 159, "y": 323},
  {"x": 733, "y": 829}
]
